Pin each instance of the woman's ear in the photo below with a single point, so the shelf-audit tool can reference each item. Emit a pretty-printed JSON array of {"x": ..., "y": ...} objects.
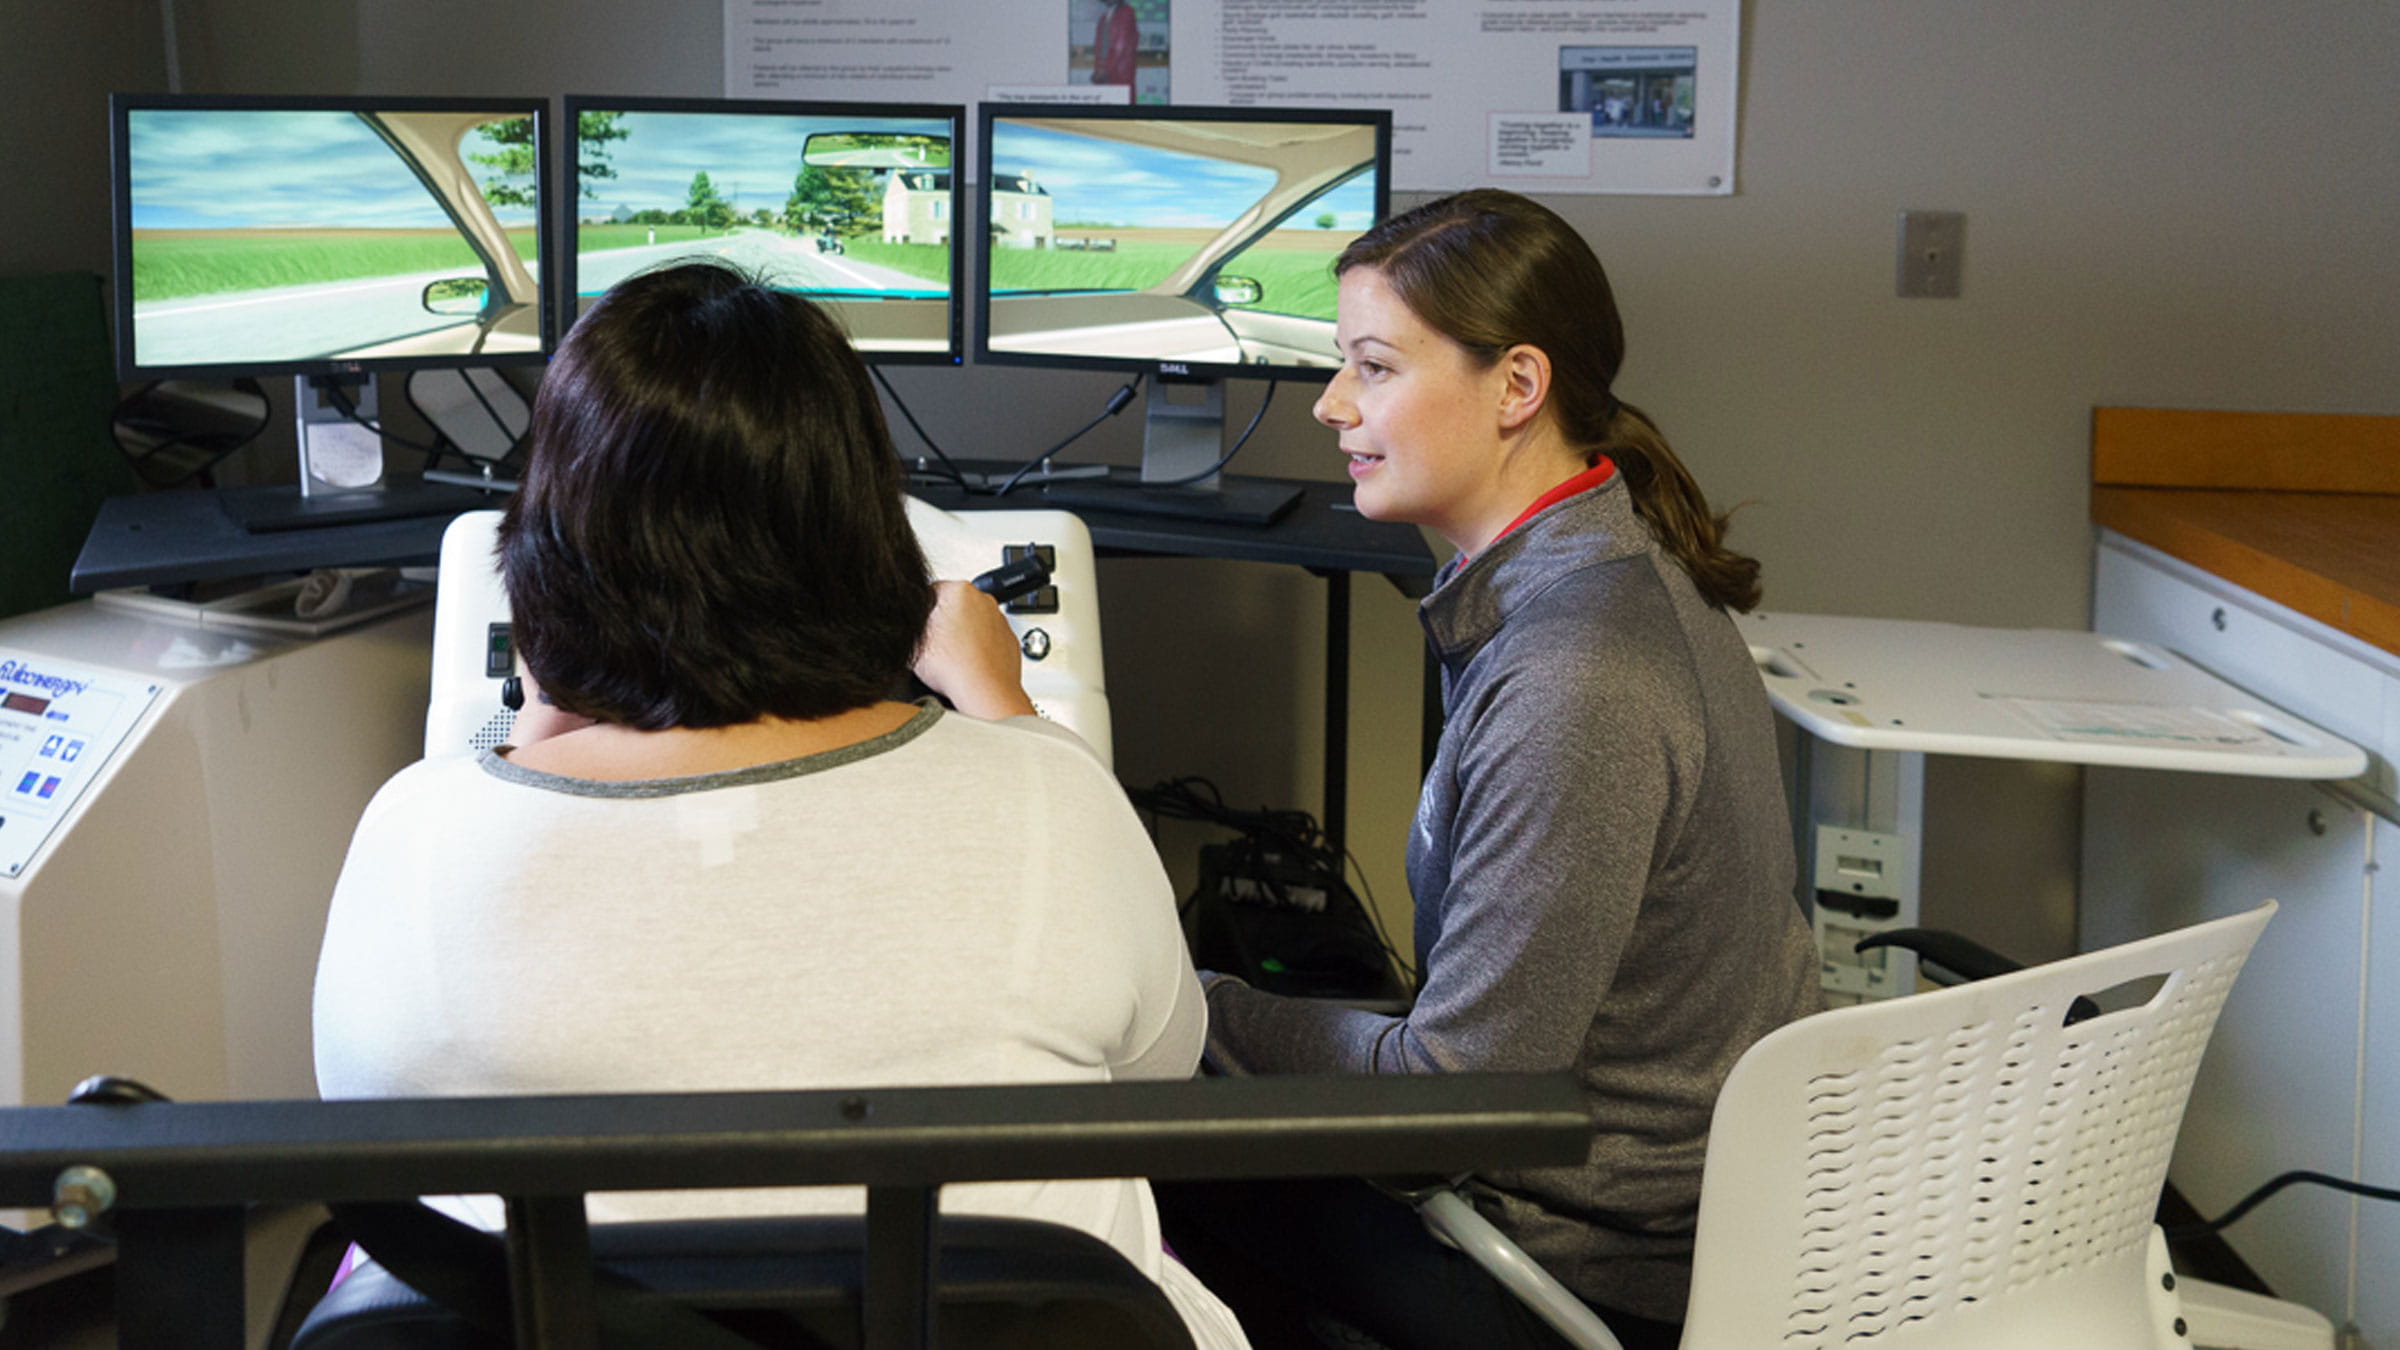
[{"x": 1525, "y": 388}]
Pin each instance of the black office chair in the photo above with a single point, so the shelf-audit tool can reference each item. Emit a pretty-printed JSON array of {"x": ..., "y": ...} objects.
[{"x": 1007, "y": 1284}]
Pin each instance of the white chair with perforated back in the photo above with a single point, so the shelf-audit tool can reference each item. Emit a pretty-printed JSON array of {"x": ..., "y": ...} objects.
[{"x": 1964, "y": 1169}]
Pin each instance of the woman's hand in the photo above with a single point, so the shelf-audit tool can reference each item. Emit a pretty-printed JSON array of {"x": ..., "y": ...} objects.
[{"x": 970, "y": 656}]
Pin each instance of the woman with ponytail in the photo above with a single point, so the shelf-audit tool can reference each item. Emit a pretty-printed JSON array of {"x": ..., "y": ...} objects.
[{"x": 1601, "y": 862}]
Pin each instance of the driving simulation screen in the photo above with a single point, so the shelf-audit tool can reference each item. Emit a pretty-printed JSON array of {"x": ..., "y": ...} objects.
[
  {"x": 1195, "y": 241},
  {"x": 853, "y": 206},
  {"x": 270, "y": 237}
]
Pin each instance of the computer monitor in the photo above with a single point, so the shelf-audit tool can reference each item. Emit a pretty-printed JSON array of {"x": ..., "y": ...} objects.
[
  {"x": 1189, "y": 244},
  {"x": 854, "y": 205},
  {"x": 331, "y": 239},
  {"x": 327, "y": 236}
]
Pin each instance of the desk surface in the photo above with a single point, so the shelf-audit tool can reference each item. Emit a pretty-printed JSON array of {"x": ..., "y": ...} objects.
[
  {"x": 169, "y": 538},
  {"x": 2328, "y": 555},
  {"x": 2038, "y": 694},
  {"x": 165, "y": 538}
]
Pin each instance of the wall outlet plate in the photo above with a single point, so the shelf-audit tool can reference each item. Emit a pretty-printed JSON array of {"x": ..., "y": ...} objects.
[{"x": 1932, "y": 249}]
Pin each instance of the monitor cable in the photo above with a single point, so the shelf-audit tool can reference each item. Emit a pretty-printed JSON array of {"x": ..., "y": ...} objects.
[
  {"x": 1269, "y": 832},
  {"x": 1117, "y": 403},
  {"x": 1227, "y": 458},
  {"x": 512, "y": 458},
  {"x": 2211, "y": 1227},
  {"x": 957, "y": 477},
  {"x": 343, "y": 405}
]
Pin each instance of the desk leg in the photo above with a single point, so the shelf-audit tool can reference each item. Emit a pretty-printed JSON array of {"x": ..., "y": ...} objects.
[
  {"x": 1337, "y": 712},
  {"x": 899, "y": 1295},
  {"x": 179, "y": 1279},
  {"x": 550, "y": 1271},
  {"x": 1861, "y": 850}
]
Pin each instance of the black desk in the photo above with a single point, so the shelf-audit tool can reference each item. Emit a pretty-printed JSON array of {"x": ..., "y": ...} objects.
[{"x": 176, "y": 538}]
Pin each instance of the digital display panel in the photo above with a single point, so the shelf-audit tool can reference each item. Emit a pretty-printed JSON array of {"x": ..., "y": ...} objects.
[
  {"x": 852, "y": 205},
  {"x": 1189, "y": 241},
  {"x": 266, "y": 236}
]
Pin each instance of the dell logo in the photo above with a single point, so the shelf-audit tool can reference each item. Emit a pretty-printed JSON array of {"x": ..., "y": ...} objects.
[{"x": 1173, "y": 368}]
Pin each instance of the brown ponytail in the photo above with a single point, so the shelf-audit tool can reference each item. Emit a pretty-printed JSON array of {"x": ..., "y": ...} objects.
[
  {"x": 1490, "y": 269},
  {"x": 1671, "y": 504}
]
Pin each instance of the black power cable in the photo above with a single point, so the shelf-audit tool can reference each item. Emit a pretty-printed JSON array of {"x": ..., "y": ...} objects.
[
  {"x": 1116, "y": 404},
  {"x": 957, "y": 478},
  {"x": 2187, "y": 1232},
  {"x": 1238, "y": 442},
  {"x": 343, "y": 405},
  {"x": 1264, "y": 834}
]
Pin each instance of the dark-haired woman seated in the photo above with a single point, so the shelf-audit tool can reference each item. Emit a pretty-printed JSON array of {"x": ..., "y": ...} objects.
[{"x": 721, "y": 857}]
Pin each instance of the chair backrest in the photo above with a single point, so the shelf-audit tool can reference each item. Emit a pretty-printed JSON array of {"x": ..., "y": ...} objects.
[{"x": 1961, "y": 1168}]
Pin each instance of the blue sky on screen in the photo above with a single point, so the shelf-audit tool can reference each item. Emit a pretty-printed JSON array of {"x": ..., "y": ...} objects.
[
  {"x": 256, "y": 168},
  {"x": 1100, "y": 182},
  {"x": 750, "y": 158}
]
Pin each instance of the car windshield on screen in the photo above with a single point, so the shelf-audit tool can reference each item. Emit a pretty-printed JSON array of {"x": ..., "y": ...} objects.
[
  {"x": 264, "y": 235},
  {"x": 817, "y": 204}
]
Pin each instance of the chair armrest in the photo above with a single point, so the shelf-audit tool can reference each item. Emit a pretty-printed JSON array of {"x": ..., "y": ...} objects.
[{"x": 1449, "y": 1217}]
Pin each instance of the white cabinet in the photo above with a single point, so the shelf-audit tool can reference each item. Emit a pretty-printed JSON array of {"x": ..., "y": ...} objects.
[
  {"x": 2165, "y": 850},
  {"x": 2377, "y": 1270},
  {"x": 2304, "y": 1071}
]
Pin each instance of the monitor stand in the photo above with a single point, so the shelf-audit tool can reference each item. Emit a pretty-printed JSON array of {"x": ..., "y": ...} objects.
[
  {"x": 342, "y": 481},
  {"x": 402, "y": 496},
  {"x": 1183, "y": 439}
]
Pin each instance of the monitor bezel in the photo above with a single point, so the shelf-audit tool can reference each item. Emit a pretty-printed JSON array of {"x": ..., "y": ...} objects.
[
  {"x": 570, "y": 195},
  {"x": 121, "y": 107},
  {"x": 988, "y": 117}
]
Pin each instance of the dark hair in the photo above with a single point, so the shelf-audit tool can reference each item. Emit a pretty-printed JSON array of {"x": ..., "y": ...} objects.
[
  {"x": 711, "y": 527},
  {"x": 1489, "y": 270}
]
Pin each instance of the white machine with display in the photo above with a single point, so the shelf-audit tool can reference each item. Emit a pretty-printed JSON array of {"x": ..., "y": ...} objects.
[
  {"x": 1057, "y": 625},
  {"x": 176, "y": 802}
]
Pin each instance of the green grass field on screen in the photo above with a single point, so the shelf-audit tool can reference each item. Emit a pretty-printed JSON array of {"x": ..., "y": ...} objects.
[
  {"x": 929, "y": 261},
  {"x": 1294, "y": 281},
  {"x": 168, "y": 264},
  {"x": 601, "y": 238}
]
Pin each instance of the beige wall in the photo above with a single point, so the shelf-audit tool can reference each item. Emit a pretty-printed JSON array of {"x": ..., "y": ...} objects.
[{"x": 2170, "y": 202}]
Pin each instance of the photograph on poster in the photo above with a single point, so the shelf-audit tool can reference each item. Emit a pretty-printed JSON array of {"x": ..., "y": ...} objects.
[
  {"x": 1120, "y": 42},
  {"x": 1630, "y": 91}
]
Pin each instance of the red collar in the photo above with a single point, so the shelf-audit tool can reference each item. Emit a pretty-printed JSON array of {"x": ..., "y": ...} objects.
[{"x": 1600, "y": 472}]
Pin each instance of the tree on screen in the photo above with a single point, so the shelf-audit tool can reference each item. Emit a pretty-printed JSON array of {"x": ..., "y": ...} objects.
[
  {"x": 835, "y": 199},
  {"x": 704, "y": 205},
  {"x": 593, "y": 132},
  {"x": 512, "y": 158}
]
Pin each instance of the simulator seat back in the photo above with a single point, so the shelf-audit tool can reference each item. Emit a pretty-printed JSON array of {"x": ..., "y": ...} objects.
[{"x": 1057, "y": 626}]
